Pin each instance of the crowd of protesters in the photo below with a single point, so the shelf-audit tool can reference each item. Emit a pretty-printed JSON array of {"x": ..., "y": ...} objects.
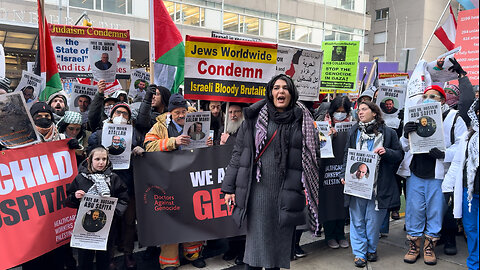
[{"x": 275, "y": 168}]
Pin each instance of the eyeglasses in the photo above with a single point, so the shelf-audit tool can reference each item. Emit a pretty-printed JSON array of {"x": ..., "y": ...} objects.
[
  {"x": 431, "y": 96},
  {"x": 74, "y": 129},
  {"x": 123, "y": 113}
]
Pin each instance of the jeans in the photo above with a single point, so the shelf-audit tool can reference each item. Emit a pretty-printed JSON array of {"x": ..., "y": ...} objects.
[
  {"x": 364, "y": 226},
  {"x": 425, "y": 206},
  {"x": 385, "y": 227},
  {"x": 470, "y": 225}
]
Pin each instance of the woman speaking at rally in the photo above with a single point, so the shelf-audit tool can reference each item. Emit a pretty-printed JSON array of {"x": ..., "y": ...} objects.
[
  {"x": 366, "y": 216},
  {"x": 274, "y": 164}
]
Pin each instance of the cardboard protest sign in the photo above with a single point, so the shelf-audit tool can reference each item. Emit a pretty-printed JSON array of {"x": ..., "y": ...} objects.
[
  {"x": 138, "y": 76},
  {"x": 304, "y": 67},
  {"x": 81, "y": 97},
  {"x": 197, "y": 126},
  {"x": 180, "y": 193},
  {"x": 35, "y": 219},
  {"x": 438, "y": 69},
  {"x": 30, "y": 86},
  {"x": 429, "y": 134},
  {"x": 17, "y": 128},
  {"x": 228, "y": 70},
  {"x": 326, "y": 150},
  {"x": 103, "y": 55},
  {"x": 467, "y": 38},
  {"x": 93, "y": 222},
  {"x": 360, "y": 173},
  {"x": 391, "y": 101},
  {"x": 110, "y": 88},
  {"x": 71, "y": 45},
  {"x": 117, "y": 138},
  {"x": 344, "y": 126},
  {"x": 339, "y": 67},
  {"x": 393, "y": 79}
]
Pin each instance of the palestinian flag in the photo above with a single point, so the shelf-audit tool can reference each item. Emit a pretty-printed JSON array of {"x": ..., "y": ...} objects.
[
  {"x": 45, "y": 63},
  {"x": 167, "y": 50}
]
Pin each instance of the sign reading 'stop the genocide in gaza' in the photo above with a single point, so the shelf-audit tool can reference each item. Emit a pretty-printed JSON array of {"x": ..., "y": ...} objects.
[{"x": 228, "y": 70}]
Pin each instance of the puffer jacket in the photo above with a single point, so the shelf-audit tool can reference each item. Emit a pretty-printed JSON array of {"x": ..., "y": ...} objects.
[
  {"x": 117, "y": 188},
  {"x": 241, "y": 170}
]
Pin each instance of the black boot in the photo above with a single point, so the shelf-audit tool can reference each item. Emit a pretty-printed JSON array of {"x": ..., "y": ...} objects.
[{"x": 450, "y": 247}]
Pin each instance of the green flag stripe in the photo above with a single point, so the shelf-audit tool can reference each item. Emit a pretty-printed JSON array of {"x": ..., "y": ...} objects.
[{"x": 174, "y": 57}]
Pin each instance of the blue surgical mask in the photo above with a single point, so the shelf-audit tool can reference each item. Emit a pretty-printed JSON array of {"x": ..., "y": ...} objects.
[{"x": 428, "y": 100}]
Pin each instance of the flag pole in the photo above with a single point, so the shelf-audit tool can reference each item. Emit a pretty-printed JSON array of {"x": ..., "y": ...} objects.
[
  {"x": 151, "y": 41},
  {"x": 434, "y": 29},
  {"x": 370, "y": 76}
]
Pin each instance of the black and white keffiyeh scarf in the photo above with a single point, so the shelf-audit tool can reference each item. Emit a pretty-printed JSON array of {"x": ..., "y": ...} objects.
[
  {"x": 101, "y": 183},
  {"x": 473, "y": 151}
]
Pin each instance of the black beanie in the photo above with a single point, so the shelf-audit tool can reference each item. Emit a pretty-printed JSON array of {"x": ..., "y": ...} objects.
[
  {"x": 165, "y": 93},
  {"x": 39, "y": 107},
  {"x": 177, "y": 101}
]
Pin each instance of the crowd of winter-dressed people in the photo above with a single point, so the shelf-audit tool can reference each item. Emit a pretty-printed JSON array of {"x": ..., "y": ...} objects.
[{"x": 275, "y": 168}]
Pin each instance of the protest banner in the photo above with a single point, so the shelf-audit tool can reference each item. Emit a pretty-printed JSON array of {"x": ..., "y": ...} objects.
[
  {"x": 467, "y": 38},
  {"x": 103, "y": 55},
  {"x": 180, "y": 193},
  {"x": 438, "y": 68},
  {"x": 93, "y": 222},
  {"x": 339, "y": 67},
  {"x": 71, "y": 44},
  {"x": 17, "y": 128},
  {"x": 137, "y": 76},
  {"x": 233, "y": 37},
  {"x": 110, "y": 88},
  {"x": 30, "y": 86},
  {"x": 344, "y": 126},
  {"x": 360, "y": 173},
  {"x": 323, "y": 129},
  {"x": 81, "y": 97},
  {"x": 117, "y": 138},
  {"x": 304, "y": 67},
  {"x": 34, "y": 218},
  {"x": 197, "y": 126},
  {"x": 228, "y": 70},
  {"x": 393, "y": 79},
  {"x": 429, "y": 134},
  {"x": 391, "y": 101}
]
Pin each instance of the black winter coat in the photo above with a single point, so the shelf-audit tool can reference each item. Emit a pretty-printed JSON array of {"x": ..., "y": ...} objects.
[
  {"x": 241, "y": 171},
  {"x": 118, "y": 189},
  {"x": 388, "y": 195}
]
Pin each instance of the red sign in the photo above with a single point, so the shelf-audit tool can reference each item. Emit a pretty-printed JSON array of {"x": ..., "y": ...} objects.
[
  {"x": 33, "y": 217},
  {"x": 467, "y": 37}
]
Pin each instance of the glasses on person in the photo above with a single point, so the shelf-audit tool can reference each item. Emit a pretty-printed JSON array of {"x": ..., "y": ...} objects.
[
  {"x": 123, "y": 113},
  {"x": 74, "y": 128},
  {"x": 431, "y": 96}
]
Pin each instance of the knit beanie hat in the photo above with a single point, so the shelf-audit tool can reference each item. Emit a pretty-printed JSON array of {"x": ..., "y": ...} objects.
[
  {"x": 5, "y": 83},
  {"x": 61, "y": 94},
  {"x": 118, "y": 105},
  {"x": 165, "y": 93},
  {"x": 177, "y": 101},
  {"x": 41, "y": 107},
  {"x": 452, "y": 92},
  {"x": 367, "y": 93},
  {"x": 436, "y": 88},
  {"x": 72, "y": 118}
]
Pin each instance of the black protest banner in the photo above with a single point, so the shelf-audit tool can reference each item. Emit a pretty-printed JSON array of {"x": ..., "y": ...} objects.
[
  {"x": 329, "y": 173},
  {"x": 178, "y": 196}
]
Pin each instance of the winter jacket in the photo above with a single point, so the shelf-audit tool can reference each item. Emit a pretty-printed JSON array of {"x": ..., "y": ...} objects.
[
  {"x": 466, "y": 98},
  {"x": 387, "y": 195},
  {"x": 117, "y": 188},
  {"x": 96, "y": 114},
  {"x": 240, "y": 171}
]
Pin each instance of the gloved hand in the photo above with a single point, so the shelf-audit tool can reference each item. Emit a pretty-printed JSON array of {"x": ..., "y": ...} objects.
[
  {"x": 138, "y": 151},
  {"x": 409, "y": 127},
  {"x": 436, "y": 153},
  {"x": 456, "y": 67},
  {"x": 73, "y": 144},
  {"x": 152, "y": 89}
]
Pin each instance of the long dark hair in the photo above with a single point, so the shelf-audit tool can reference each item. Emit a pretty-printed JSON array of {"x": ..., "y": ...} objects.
[
  {"x": 378, "y": 115},
  {"x": 291, "y": 89},
  {"x": 337, "y": 102}
]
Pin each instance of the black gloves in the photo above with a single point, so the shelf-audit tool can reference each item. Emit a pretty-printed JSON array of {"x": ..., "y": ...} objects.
[
  {"x": 73, "y": 144},
  {"x": 456, "y": 67},
  {"x": 436, "y": 153},
  {"x": 151, "y": 90},
  {"x": 409, "y": 127}
]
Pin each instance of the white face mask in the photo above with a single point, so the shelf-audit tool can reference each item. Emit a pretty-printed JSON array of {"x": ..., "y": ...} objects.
[
  {"x": 339, "y": 116},
  {"x": 119, "y": 120}
]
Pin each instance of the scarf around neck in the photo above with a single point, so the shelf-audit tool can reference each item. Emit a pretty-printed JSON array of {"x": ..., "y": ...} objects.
[
  {"x": 101, "y": 183},
  {"x": 473, "y": 152}
]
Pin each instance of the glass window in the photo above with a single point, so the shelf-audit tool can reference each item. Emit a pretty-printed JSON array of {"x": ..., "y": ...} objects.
[
  {"x": 343, "y": 36},
  {"x": 98, "y": 4},
  {"x": 380, "y": 38},
  {"x": 250, "y": 26},
  {"x": 115, "y": 6},
  {"x": 381, "y": 14},
  {"x": 191, "y": 15},
  {"x": 170, "y": 8},
  {"x": 129, "y": 6},
  {"x": 284, "y": 31},
  {"x": 348, "y": 4},
  {"x": 301, "y": 33},
  {"x": 269, "y": 29},
  {"x": 230, "y": 22},
  {"x": 82, "y": 3},
  {"x": 329, "y": 35}
]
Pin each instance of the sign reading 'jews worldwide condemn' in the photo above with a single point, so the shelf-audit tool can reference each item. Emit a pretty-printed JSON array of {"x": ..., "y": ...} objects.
[{"x": 228, "y": 70}]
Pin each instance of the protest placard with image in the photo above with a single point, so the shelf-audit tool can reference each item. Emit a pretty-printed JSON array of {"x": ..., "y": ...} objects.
[
  {"x": 81, "y": 97},
  {"x": 393, "y": 79},
  {"x": 103, "y": 59},
  {"x": 93, "y": 222},
  {"x": 140, "y": 79},
  {"x": 344, "y": 126},
  {"x": 360, "y": 173},
  {"x": 429, "y": 121},
  {"x": 30, "y": 86},
  {"x": 197, "y": 126},
  {"x": 326, "y": 149},
  {"x": 117, "y": 138},
  {"x": 339, "y": 67},
  {"x": 391, "y": 100},
  {"x": 438, "y": 68},
  {"x": 17, "y": 128}
]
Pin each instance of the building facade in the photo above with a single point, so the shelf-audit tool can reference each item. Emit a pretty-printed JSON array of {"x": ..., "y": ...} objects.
[{"x": 299, "y": 23}]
